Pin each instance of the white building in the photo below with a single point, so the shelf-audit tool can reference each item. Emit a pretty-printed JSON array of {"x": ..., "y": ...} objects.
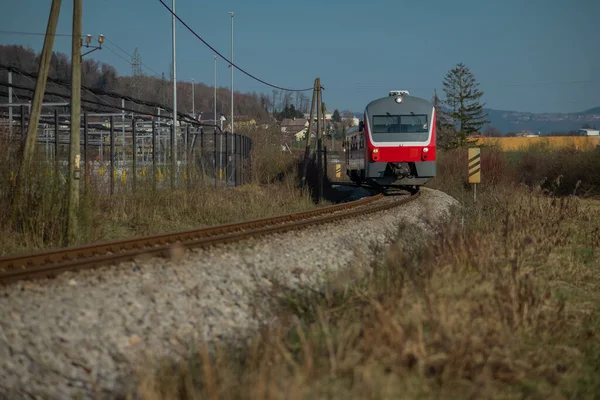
[{"x": 589, "y": 132}]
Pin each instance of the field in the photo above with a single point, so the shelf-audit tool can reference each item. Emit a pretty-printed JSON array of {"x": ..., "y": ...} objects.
[
  {"x": 502, "y": 304},
  {"x": 555, "y": 142}
]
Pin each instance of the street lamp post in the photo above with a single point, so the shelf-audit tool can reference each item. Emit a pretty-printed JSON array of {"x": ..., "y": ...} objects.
[
  {"x": 174, "y": 137},
  {"x": 193, "y": 105},
  {"x": 231, "y": 66},
  {"x": 215, "y": 92}
]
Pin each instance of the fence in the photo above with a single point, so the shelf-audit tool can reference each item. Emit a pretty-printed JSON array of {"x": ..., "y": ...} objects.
[{"x": 120, "y": 151}]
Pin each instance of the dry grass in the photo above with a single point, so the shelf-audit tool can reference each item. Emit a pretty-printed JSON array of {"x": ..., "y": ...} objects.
[
  {"x": 502, "y": 304},
  {"x": 582, "y": 143},
  {"x": 273, "y": 190}
]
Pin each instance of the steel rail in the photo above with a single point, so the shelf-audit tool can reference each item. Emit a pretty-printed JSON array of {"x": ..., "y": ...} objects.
[{"x": 49, "y": 263}]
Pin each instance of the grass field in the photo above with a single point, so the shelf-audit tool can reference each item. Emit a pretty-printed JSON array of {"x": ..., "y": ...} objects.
[
  {"x": 503, "y": 304},
  {"x": 579, "y": 143},
  {"x": 272, "y": 191}
]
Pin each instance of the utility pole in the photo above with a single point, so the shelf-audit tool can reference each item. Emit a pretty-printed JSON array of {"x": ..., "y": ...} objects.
[
  {"x": 123, "y": 129},
  {"x": 10, "y": 110},
  {"x": 193, "y": 105},
  {"x": 215, "y": 118},
  {"x": 231, "y": 66},
  {"x": 174, "y": 138},
  {"x": 319, "y": 144},
  {"x": 38, "y": 98},
  {"x": 74, "y": 153},
  {"x": 215, "y": 92},
  {"x": 310, "y": 123},
  {"x": 40, "y": 86},
  {"x": 232, "y": 127}
]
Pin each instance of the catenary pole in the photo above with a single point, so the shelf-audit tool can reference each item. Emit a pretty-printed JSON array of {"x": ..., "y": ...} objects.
[
  {"x": 38, "y": 98},
  {"x": 40, "y": 87},
  {"x": 75, "y": 151},
  {"x": 174, "y": 138}
]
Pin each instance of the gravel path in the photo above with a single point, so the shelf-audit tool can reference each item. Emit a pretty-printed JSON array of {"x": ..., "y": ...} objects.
[{"x": 81, "y": 333}]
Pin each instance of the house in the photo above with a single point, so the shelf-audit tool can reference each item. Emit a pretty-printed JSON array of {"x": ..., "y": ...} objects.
[
  {"x": 209, "y": 118},
  {"x": 588, "y": 132},
  {"x": 293, "y": 128},
  {"x": 328, "y": 115},
  {"x": 351, "y": 121}
]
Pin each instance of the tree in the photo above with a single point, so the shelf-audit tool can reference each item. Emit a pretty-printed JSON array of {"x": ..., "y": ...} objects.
[
  {"x": 445, "y": 131},
  {"x": 336, "y": 116},
  {"x": 463, "y": 97}
]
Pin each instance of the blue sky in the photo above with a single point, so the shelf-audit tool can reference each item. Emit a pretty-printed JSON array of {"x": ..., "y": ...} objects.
[{"x": 528, "y": 55}]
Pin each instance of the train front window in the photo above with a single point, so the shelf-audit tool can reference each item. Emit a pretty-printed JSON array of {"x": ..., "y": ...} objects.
[
  {"x": 416, "y": 123},
  {"x": 409, "y": 128}
]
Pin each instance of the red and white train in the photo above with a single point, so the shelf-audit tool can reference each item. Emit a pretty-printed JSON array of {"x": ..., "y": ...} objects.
[{"x": 394, "y": 145}]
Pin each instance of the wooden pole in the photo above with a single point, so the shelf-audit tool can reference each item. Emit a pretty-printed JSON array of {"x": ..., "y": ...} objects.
[
  {"x": 153, "y": 154},
  {"x": 310, "y": 122},
  {"x": 323, "y": 138},
  {"x": 319, "y": 144},
  {"x": 36, "y": 106},
  {"x": 75, "y": 150},
  {"x": 112, "y": 155},
  {"x": 40, "y": 86}
]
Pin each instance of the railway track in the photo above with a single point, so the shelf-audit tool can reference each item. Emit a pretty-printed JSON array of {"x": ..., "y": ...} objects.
[{"x": 47, "y": 264}]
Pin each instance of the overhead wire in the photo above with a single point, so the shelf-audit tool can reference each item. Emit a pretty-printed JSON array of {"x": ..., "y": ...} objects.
[
  {"x": 226, "y": 59},
  {"x": 68, "y": 35},
  {"x": 6, "y": 32},
  {"x": 130, "y": 55},
  {"x": 183, "y": 116}
]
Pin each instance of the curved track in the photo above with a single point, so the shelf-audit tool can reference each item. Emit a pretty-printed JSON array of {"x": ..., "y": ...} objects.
[{"x": 46, "y": 264}]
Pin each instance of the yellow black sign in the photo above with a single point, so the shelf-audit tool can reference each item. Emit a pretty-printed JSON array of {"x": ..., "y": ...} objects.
[{"x": 474, "y": 165}]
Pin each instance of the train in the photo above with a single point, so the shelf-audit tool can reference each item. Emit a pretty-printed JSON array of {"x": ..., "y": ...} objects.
[{"x": 394, "y": 145}]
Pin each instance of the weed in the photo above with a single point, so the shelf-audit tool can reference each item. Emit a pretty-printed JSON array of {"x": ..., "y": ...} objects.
[{"x": 502, "y": 303}]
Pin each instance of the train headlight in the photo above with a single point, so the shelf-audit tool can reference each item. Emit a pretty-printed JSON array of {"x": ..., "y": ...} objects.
[
  {"x": 375, "y": 154},
  {"x": 398, "y": 100},
  {"x": 424, "y": 154},
  {"x": 425, "y": 150}
]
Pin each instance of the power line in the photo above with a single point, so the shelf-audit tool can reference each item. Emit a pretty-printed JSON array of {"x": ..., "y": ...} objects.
[
  {"x": 68, "y": 35},
  {"x": 94, "y": 92},
  {"x": 117, "y": 54},
  {"x": 4, "y": 32},
  {"x": 362, "y": 88},
  {"x": 49, "y": 93},
  {"x": 225, "y": 58},
  {"x": 131, "y": 56}
]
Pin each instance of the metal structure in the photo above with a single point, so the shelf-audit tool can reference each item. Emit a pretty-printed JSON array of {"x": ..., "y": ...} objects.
[
  {"x": 174, "y": 142},
  {"x": 231, "y": 66},
  {"x": 144, "y": 146}
]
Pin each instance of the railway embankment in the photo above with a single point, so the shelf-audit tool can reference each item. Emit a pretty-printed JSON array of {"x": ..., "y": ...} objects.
[{"x": 88, "y": 333}]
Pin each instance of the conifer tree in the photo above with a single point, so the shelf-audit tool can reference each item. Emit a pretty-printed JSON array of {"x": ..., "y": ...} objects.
[{"x": 463, "y": 99}]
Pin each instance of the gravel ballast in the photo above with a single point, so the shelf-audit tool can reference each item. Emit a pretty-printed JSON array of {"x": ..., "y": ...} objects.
[{"x": 83, "y": 334}]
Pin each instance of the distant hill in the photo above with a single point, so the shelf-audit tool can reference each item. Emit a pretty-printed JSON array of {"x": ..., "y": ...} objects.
[
  {"x": 595, "y": 110},
  {"x": 507, "y": 121},
  {"x": 515, "y": 121},
  {"x": 545, "y": 123}
]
